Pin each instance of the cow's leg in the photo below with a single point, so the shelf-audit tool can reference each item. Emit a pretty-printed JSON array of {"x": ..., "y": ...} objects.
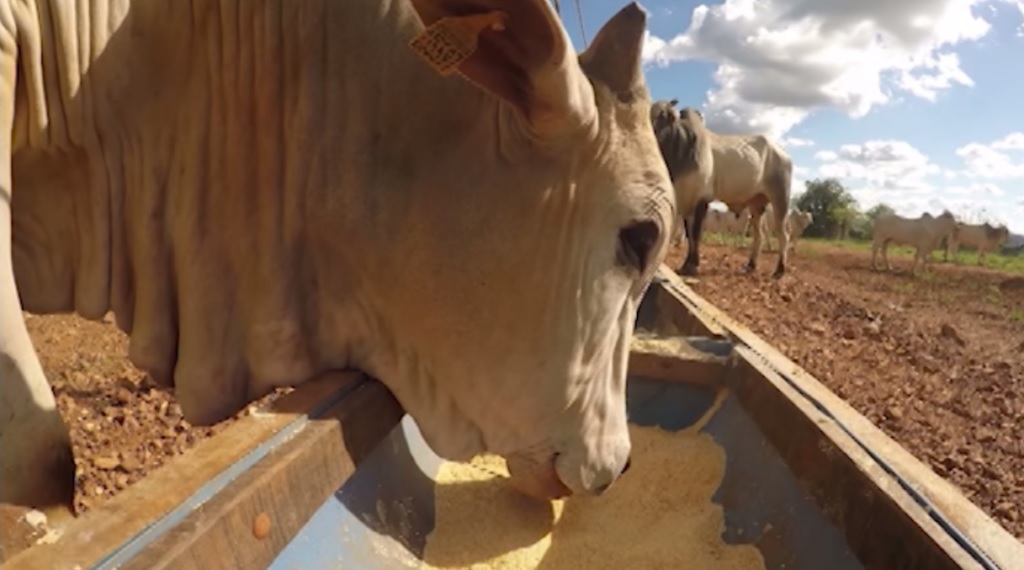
[
  {"x": 677, "y": 230},
  {"x": 694, "y": 226},
  {"x": 755, "y": 244},
  {"x": 885, "y": 255},
  {"x": 782, "y": 237},
  {"x": 36, "y": 466},
  {"x": 757, "y": 207},
  {"x": 778, "y": 195},
  {"x": 688, "y": 234},
  {"x": 918, "y": 257}
]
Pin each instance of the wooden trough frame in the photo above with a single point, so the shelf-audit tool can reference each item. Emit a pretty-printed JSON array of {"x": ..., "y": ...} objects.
[{"x": 237, "y": 499}]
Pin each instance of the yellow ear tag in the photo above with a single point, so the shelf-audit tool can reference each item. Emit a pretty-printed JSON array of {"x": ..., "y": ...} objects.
[{"x": 448, "y": 42}]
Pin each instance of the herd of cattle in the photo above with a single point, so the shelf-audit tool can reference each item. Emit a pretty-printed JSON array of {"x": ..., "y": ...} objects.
[
  {"x": 751, "y": 175},
  {"x": 919, "y": 233},
  {"x": 256, "y": 212}
]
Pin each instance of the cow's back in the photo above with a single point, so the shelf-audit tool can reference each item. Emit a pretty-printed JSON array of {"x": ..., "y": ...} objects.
[{"x": 744, "y": 164}]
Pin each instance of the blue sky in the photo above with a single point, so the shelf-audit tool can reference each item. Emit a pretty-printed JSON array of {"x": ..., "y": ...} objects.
[{"x": 917, "y": 103}]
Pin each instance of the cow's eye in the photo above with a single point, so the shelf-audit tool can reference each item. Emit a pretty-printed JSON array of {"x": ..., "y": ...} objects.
[{"x": 636, "y": 243}]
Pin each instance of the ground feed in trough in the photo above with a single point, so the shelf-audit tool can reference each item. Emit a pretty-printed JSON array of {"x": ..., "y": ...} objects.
[{"x": 660, "y": 515}]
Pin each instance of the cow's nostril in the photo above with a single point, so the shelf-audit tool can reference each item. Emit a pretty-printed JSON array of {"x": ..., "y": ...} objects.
[{"x": 625, "y": 467}]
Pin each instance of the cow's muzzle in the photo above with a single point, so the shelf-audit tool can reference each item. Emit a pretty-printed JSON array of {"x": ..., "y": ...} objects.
[
  {"x": 540, "y": 480},
  {"x": 536, "y": 479}
]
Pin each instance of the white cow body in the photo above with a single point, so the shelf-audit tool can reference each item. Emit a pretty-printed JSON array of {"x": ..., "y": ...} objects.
[
  {"x": 240, "y": 185},
  {"x": 923, "y": 233},
  {"x": 797, "y": 222},
  {"x": 984, "y": 238},
  {"x": 743, "y": 172},
  {"x": 729, "y": 223}
]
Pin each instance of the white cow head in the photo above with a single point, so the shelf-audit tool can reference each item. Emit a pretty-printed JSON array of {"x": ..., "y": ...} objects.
[{"x": 516, "y": 339}]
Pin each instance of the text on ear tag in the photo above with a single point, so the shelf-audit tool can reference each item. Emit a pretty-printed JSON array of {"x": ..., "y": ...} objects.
[{"x": 448, "y": 42}]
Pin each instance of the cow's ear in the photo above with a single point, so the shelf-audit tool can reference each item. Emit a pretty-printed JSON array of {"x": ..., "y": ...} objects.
[
  {"x": 614, "y": 56},
  {"x": 516, "y": 50}
]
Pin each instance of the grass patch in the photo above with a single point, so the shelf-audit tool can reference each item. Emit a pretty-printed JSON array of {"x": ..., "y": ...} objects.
[{"x": 1002, "y": 262}]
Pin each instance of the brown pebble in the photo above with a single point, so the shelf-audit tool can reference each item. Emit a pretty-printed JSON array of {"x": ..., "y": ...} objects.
[
  {"x": 261, "y": 526},
  {"x": 1007, "y": 510},
  {"x": 106, "y": 463},
  {"x": 123, "y": 396},
  {"x": 130, "y": 462}
]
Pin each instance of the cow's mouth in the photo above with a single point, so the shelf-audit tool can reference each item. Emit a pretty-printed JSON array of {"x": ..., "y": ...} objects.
[{"x": 538, "y": 480}]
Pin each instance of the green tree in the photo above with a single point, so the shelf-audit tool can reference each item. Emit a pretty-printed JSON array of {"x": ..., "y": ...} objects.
[
  {"x": 879, "y": 210},
  {"x": 860, "y": 227},
  {"x": 863, "y": 222},
  {"x": 833, "y": 208}
]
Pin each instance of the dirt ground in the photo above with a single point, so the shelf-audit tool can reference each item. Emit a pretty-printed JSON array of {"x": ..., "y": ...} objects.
[
  {"x": 936, "y": 361},
  {"x": 122, "y": 425}
]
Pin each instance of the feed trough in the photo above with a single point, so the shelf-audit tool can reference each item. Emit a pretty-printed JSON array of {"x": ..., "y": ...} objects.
[{"x": 336, "y": 476}]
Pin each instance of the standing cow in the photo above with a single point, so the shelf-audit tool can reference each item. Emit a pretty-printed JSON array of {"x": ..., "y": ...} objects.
[
  {"x": 743, "y": 172},
  {"x": 984, "y": 238},
  {"x": 726, "y": 224},
  {"x": 687, "y": 155},
  {"x": 238, "y": 184},
  {"x": 717, "y": 221},
  {"x": 797, "y": 221},
  {"x": 923, "y": 233}
]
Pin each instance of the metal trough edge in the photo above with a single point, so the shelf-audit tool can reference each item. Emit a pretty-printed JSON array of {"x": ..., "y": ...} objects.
[{"x": 978, "y": 535}]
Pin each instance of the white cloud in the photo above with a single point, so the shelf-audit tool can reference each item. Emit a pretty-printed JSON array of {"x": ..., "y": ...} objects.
[
  {"x": 780, "y": 59},
  {"x": 794, "y": 142},
  {"x": 1012, "y": 141},
  {"x": 976, "y": 190},
  {"x": 653, "y": 48},
  {"x": 883, "y": 165},
  {"x": 994, "y": 160},
  {"x": 800, "y": 176},
  {"x": 944, "y": 72}
]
